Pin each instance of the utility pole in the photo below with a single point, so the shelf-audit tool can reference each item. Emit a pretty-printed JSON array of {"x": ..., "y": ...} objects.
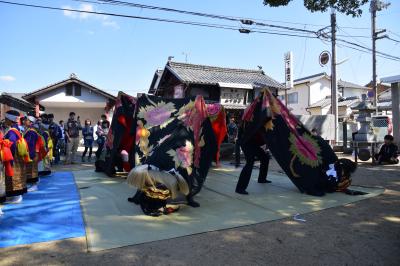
[
  {"x": 334, "y": 100},
  {"x": 376, "y": 5}
]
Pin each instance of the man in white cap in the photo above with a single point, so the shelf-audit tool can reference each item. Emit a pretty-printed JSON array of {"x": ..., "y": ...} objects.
[{"x": 16, "y": 184}]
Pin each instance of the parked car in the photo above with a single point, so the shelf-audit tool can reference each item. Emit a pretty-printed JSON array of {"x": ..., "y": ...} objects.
[{"x": 382, "y": 126}]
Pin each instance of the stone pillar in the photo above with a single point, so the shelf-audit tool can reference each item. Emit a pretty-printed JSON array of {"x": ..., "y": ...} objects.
[{"x": 396, "y": 111}]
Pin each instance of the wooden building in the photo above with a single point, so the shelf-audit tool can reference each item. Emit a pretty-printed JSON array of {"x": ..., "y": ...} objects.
[{"x": 233, "y": 88}]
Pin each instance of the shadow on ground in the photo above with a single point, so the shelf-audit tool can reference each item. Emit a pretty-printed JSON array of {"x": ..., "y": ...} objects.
[{"x": 362, "y": 233}]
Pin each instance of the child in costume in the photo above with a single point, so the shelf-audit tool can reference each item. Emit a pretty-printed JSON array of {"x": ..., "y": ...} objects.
[
  {"x": 16, "y": 183},
  {"x": 5, "y": 166},
  {"x": 37, "y": 152},
  {"x": 47, "y": 160}
]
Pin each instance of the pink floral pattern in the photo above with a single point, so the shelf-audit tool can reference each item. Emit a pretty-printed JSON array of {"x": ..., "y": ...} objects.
[
  {"x": 183, "y": 156},
  {"x": 157, "y": 114},
  {"x": 213, "y": 108}
]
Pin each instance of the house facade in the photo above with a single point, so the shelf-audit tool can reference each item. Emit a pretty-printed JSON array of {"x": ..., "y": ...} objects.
[
  {"x": 14, "y": 101},
  {"x": 233, "y": 88},
  {"x": 310, "y": 90},
  {"x": 73, "y": 94}
]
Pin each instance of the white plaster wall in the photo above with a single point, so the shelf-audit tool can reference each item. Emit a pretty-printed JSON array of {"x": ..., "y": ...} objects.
[
  {"x": 319, "y": 90},
  {"x": 326, "y": 110},
  {"x": 300, "y": 107},
  {"x": 350, "y": 92},
  {"x": 58, "y": 96},
  {"x": 62, "y": 113}
]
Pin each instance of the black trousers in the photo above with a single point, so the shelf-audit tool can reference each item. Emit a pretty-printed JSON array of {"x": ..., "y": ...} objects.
[
  {"x": 85, "y": 151},
  {"x": 237, "y": 153},
  {"x": 251, "y": 151}
]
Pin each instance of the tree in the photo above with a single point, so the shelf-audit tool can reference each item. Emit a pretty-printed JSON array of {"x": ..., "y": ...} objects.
[{"x": 348, "y": 7}]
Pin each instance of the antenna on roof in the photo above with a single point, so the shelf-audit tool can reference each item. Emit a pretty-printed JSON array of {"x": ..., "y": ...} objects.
[{"x": 73, "y": 76}]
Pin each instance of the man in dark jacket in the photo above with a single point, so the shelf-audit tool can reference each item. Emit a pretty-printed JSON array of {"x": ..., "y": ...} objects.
[
  {"x": 252, "y": 148},
  {"x": 388, "y": 152}
]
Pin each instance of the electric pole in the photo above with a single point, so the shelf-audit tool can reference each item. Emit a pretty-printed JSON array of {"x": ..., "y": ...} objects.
[
  {"x": 376, "y": 5},
  {"x": 334, "y": 100}
]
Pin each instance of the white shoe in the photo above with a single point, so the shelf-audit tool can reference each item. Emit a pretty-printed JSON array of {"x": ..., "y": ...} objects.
[
  {"x": 33, "y": 188},
  {"x": 15, "y": 199},
  {"x": 1, "y": 212}
]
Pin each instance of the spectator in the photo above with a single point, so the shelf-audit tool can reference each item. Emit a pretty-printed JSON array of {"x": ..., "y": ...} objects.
[
  {"x": 88, "y": 139},
  {"x": 354, "y": 126},
  {"x": 102, "y": 132},
  {"x": 388, "y": 152},
  {"x": 232, "y": 131},
  {"x": 62, "y": 140},
  {"x": 72, "y": 128},
  {"x": 55, "y": 134}
]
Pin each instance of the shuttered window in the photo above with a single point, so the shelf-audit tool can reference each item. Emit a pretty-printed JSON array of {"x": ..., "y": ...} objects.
[
  {"x": 78, "y": 89},
  {"x": 68, "y": 90}
]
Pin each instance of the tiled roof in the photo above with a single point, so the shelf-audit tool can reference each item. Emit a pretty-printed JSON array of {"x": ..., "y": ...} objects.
[
  {"x": 321, "y": 103},
  {"x": 327, "y": 101},
  {"x": 341, "y": 83},
  {"x": 201, "y": 74},
  {"x": 72, "y": 78},
  {"x": 346, "y": 84},
  {"x": 309, "y": 78},
  {"x": 15, "y": 100}
]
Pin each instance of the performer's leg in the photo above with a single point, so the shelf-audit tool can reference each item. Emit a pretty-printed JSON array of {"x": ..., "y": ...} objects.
[
  {"x": 264, "y": 163},
  {"x": 68, "y": 152},
  {"x": 75, "y": 144},
  {"x": 90, "y": 152},
  {"x": 245, "y": 175},
  {"x": 56, "y": 151},
  {"x": 84, "y": 153},
  {"x": 237, "y": 154}
]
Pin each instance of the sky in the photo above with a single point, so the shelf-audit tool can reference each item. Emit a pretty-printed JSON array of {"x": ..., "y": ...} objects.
[{"x": 40, "y": 47}]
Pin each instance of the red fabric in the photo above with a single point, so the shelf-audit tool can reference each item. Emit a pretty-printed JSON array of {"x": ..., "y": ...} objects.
[
  {"x": 220, "y": 130},
  {"x": 127, "y": 166},
  {"x": 5, "y": 148},
  {"x": 6, "y": 155},
  {"x": 41, "y": 148},
  {"x": 127, "y": 139},
  {"x": 8, "y": 169}
]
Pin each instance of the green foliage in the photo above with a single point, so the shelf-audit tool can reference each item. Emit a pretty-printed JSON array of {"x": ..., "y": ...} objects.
[{"x": 348, "y": 7}]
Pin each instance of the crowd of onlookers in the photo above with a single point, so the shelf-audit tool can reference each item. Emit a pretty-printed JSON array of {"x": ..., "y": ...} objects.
[{"x": 67, "y": 138}]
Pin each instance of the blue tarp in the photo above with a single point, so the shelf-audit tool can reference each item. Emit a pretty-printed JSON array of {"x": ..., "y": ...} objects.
[{"x": 51, "y": 213}]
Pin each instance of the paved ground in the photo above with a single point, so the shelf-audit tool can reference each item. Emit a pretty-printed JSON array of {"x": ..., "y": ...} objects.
[{"x": 363, "y": 233}]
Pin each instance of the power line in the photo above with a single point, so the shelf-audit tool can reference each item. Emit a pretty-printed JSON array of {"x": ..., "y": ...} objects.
[
  {"x": 192, "y": 23},
  {"x": 186, "y": 12},
  {"x": 191, "y": 12},
  {"x": 304, "y": 33},
  {"x": 392, "y": 39},
  {"x": 131, "y": 4}
]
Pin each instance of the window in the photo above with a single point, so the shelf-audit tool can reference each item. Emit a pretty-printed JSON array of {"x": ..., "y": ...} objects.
[
  {"x": 78, "y": 89},
  {"x": 68, "y": 90},
  {"x": 293, "y": 97},
  {"x": 281, "y": 97}
]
